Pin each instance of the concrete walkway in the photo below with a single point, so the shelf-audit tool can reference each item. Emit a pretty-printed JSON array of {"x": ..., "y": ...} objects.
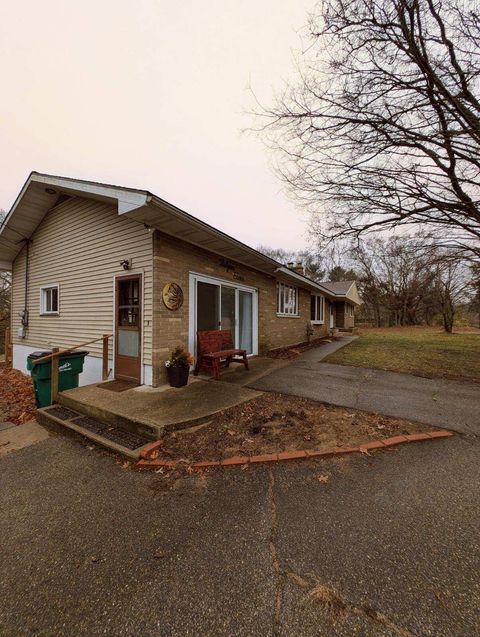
[
  {"x": 327, "y": 347},
  {"x": 442, "y": 403},
  {"x": 16, "y": 437}
]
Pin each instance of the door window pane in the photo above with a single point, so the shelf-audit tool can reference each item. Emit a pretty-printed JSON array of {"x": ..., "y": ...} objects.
[
  {"x": 129, "y": 303},
  {"x": 228, "y": 310},
  {"x": 128, "y": 343},
  {"x": 128, "y": 292},
  {"x": 129, "y": 316},
  {"x": 245, "y": 302},
  {"x": 208, "y": 306}
]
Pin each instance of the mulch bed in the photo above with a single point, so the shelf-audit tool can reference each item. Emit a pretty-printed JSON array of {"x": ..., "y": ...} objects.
[
  {"x": 17, "y": 401},
  {"x": 273, "y": 423},
  {"x": 289, "y": 353}
]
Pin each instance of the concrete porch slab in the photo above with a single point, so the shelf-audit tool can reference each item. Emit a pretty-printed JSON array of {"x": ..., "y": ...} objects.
[
  {"x": 258, "y": 367},
  {"x": 169, "y": 409}
]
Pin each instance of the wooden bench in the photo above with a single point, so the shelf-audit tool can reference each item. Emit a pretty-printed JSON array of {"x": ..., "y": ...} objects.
[{"x": 214, "y": 346}]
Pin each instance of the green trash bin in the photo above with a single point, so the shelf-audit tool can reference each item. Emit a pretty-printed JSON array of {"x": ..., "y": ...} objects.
[{"x": 69, "y": 367}]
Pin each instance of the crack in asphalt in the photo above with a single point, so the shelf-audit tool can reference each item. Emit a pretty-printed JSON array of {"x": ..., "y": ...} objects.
[
  {"x": 337, "y": 604},
  {"x": 280, "y": 576},
  {"x": 316, "y": 591},
  {"x": 363, "y": 379}
]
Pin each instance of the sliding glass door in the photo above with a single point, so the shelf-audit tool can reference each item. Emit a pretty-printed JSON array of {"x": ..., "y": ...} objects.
[
  {"x": 217, "y": 305},
  {"x": 245, "y": 320}
]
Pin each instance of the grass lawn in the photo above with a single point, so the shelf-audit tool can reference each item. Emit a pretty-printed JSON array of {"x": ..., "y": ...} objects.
[{"x": 423, "y": 351}]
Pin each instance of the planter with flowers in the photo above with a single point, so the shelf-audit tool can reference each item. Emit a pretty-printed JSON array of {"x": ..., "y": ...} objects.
[{"x": 178, "y": 367}]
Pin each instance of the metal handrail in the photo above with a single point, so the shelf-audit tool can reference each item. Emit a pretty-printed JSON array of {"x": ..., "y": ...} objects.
[
  {"x": 56, "y": 353},
  {"x": 70, "y": 349}
]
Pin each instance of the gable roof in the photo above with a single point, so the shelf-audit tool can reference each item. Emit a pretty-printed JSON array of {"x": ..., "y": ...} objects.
[
  {"x": 345, "y": 289},
  {"x": 42, "y": 192},
  {"x": 338, "y": 287}
]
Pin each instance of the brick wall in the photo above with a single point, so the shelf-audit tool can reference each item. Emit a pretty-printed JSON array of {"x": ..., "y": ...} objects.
[
  {"x": 174, "y": 260},
  {"x": 342, "y": 319},
  {"x": 350, "y": 319}
]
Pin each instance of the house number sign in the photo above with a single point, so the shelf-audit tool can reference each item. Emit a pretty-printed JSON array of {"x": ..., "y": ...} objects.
[{"x": 172, "y": 296}]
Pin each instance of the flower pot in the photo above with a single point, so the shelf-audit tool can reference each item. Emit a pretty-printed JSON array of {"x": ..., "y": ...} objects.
[{"x": 178, "y": 375}]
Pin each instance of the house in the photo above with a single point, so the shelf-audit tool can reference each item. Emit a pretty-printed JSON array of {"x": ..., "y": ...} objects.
[
  {"x": 345, "y": 309},
  {"x": 91, "y": 259}
]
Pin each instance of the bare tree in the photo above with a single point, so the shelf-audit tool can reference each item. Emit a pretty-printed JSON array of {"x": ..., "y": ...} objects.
[
  {"x": 383, "y": 127},
  {"x": 396, "y": 279},
  {"x": 475, "y": 289},
  {"x": 451, "y": 285},
  {"x": 319, "y": 263}
]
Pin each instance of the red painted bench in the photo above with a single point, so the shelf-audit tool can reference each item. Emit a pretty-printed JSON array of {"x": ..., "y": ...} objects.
[{"x": 214, "y": 346}]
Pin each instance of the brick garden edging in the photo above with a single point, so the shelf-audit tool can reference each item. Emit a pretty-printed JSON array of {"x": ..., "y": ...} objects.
[{"x": 149, "y": 461}]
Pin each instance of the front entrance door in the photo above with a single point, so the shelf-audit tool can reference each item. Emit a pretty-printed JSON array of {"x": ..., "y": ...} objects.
[
  {"x": 332, "y": 315},
  {"x": 128, "y": 332}
]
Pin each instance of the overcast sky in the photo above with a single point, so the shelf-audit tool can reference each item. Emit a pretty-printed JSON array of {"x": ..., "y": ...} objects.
[{"x": 151, "y": 94}]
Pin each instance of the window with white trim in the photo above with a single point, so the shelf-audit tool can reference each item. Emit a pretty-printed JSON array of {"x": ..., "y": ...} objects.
[
  {"x": 317, "y": 308},
  {"x": 287, "y": 300},
  {"x": 349, "y": 307},
  {"x": 49, "y": 299}
]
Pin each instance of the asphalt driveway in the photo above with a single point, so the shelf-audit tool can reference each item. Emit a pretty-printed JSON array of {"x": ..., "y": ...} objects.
[
  {"x": 442, "y": 403},
  {"x": 382, "y": 545}
]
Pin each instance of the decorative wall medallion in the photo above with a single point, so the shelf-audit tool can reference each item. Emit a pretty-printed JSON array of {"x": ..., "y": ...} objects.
[{"x": 172, "y": 296}]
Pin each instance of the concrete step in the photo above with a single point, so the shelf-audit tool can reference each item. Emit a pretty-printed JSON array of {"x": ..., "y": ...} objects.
[
  {"x": 121, "y": 422},
  {"x": 116, "y": 439}
]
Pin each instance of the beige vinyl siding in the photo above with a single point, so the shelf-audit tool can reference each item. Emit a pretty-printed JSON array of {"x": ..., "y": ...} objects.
[{"x": 79, "y": 245}]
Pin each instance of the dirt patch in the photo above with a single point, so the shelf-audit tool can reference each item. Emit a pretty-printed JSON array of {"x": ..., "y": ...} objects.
[
  {"x": 274, "y": 423},
  {"x": 17, "y": 401},
  {"x": 289, "y": 353}
]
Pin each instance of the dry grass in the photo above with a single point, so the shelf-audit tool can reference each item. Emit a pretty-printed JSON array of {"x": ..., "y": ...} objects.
[{"x": 423, "y": 351}]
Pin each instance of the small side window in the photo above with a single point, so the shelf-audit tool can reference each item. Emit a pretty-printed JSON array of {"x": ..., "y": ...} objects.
[
  {"x": 49, "y": 299},
  {"x": 317, "y": 308}
]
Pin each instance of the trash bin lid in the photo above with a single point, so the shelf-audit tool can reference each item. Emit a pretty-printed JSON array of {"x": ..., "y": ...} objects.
[
  {"x": 34, "y": 355},
  {"x": 76, "y": 352}
]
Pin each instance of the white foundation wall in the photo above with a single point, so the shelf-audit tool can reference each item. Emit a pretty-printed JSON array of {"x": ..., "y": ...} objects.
[{"x": 92, "y": 369}]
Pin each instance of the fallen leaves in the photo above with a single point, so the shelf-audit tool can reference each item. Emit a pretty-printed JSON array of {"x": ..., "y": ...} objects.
[
  {"x": 323, "y": 477},
  {"x": 124, "y": 464},
  {"x": 273, "y": 423},
  {"x": 17, "y": 401}
]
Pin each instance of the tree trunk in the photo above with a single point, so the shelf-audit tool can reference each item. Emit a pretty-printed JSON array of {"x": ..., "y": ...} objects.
[{"x": 448, "y": 313}]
